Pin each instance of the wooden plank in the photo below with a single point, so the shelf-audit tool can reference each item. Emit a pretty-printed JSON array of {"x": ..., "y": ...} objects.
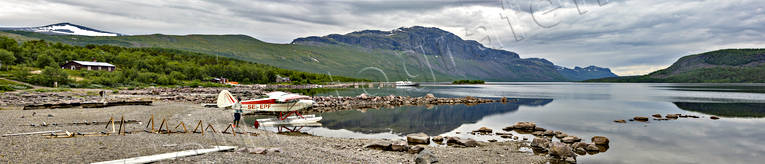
[
  {"x": 31, "y": 133},
  {"x": 159, "y": 157}
]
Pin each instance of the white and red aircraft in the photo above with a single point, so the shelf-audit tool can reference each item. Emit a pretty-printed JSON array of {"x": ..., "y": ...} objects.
[{"x": 285, "y": 104}]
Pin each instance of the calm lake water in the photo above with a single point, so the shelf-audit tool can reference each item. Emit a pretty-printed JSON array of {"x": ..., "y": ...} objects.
[{"x": 584, "y": 110}]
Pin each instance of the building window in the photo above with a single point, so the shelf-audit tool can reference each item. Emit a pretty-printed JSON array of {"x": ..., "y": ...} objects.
[{"x": 88, "y": 68}]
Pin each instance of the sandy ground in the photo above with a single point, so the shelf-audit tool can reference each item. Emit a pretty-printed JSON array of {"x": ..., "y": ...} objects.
[{"x": 294, "y": 149}]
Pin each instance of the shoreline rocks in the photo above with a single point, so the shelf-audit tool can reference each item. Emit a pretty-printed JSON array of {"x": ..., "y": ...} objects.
[
  {"x": 418, "y": 138},
  {"x": 331, "y": 103},
  {"x": 600, "y": 140}
]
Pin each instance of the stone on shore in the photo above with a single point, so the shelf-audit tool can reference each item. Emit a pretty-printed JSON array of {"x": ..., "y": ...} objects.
[
  {"x": 592, "y": 147},
  {"x": 415, "y": 149},
  {"x": 561, "y": 150},
  {"x": 399, "y": 145},
  {"x": 418, "y": 138},
  {"x": 580, "y": 151},
  {"x": 640, "y": 118},
  {"x": 656, "y": 115},
  {"x": 438, "y": 139},
  {"x": 462, "y": 142},
  {"x": 600, "y": 140},
  {"x": 379, "y": 145},
  {"x": 548, "y": 133},
  {"x": 620, "y": 121},
  {"x": 524, "y": 125},
  {"x": 579, "y": 145},
  {"x": 483, "y": 130},
  {"x": 571, "y": 139},
  {"x": 561, "y": 135},
  {"x": 540, "y": 142},
  {"x": 714, "y": 117},
  {"x": 425, "y": 157},
  {"x": 429, "y": 95},
  {"x": 673, "y": 116},
  {"x": 503, "y": 133}
]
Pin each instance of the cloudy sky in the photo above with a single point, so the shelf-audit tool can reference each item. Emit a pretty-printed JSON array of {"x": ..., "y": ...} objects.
[{"x": 629, "y": 36}]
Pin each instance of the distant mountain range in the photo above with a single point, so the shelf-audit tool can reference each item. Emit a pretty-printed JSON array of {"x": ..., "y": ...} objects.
[
  {"x": 414, "y": 53},
  {"x": 449, "y": 53},
  {"x": 63, "y": 29},
  {"x": 721, "y": 66}
]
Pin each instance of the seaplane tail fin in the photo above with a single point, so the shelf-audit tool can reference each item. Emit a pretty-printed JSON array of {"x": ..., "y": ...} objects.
[{"x": 225, "y": 99}]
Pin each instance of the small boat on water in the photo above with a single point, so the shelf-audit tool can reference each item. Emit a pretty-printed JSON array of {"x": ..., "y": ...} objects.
[{"x": 406, "y": 83}]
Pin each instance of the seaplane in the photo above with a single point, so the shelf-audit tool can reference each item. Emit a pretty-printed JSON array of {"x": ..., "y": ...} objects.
[{"x": 281, "y": 103}]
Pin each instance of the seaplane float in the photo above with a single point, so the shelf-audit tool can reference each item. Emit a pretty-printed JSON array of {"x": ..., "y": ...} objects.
[{"x": 281, "y": 104}]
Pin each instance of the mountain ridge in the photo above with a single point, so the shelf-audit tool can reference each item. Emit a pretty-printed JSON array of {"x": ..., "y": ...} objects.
[
  {"x": 437, "y": 42},
  {"x": 450, "y": 58},
  {"x": 719, "y": 66}
]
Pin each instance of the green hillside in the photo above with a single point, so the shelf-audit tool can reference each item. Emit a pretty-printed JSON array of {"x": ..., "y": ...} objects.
[
  {"x": 38, "y": 62},
  {"x": 721, "y": 66},
  {"x": 331, "y": 59}
]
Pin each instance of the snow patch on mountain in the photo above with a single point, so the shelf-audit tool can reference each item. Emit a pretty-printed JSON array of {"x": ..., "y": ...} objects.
[{"x": 65, "y": 29}]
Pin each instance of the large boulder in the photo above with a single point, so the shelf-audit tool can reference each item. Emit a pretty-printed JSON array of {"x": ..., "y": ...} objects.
[
  {"x": 561, "y": 150},
  {"x": 418, "y": 138},
  {"x": 429, "y": 95},
  {"x": 600, "y": 140},
  {"x": 425, "y": 157}
]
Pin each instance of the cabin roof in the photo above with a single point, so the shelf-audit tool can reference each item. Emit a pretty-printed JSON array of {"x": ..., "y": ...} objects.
[{"x": 93, "y": 63}]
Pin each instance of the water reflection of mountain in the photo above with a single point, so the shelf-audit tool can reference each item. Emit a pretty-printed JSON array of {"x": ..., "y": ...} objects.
[
  {"x": 725, "y": 109},
  {"x": 412, "y": 119}
]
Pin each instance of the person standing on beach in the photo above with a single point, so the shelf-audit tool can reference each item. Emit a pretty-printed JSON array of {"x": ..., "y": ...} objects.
[{"x": 237, "y": 114}]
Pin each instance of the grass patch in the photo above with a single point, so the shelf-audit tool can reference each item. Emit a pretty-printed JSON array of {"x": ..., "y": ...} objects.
[{"x": 6, "y": 85}]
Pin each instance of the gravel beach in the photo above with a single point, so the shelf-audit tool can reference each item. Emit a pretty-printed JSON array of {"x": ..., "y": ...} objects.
[{"x": 293, "y": 148}]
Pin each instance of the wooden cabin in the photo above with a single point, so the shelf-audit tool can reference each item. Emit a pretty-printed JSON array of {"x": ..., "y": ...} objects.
[{"x": 86, "y": 65}]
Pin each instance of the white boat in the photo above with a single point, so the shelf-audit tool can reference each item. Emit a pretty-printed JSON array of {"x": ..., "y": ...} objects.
[{"x": 406, "y": 83}]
